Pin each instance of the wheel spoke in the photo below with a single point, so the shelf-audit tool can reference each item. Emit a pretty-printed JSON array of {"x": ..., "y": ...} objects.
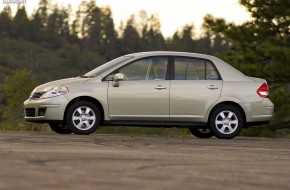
[
  {"x": 230, "y": 115},
  {"x": 222, "y": 115},
  {"x": 231, "y": 129},
  {"x": 87, "y": 125},
  {"x": 234, "y": 122},
  {"x": 223, "y": 128},
  {"x": 217, "y": 122},
  {"x": 88, "y": 110},
  {"x": 92, "y": 118},
  {"x": 79, "y": 110},
  {"x": 79, "y": 125},
  {"x": 76, "y": 118}
]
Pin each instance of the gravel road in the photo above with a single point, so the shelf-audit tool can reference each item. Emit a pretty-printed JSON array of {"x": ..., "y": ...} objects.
[{"x": 123, "y": 162}]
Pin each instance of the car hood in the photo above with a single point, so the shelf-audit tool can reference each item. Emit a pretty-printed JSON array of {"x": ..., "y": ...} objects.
[{"x": 58, "y": 83}]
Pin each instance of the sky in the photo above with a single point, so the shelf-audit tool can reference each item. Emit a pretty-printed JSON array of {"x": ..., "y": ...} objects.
[{"x": 173, "y": 14}]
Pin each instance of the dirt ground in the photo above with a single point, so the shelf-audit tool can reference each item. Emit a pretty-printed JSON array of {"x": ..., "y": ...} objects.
[{"x": 51, "y": 161}]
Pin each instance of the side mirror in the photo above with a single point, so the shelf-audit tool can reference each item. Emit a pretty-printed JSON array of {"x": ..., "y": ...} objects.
[{"x": 116, "y": 78}]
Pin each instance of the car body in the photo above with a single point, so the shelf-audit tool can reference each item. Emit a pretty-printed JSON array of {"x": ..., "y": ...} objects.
[{"x": 160, "y": 89}]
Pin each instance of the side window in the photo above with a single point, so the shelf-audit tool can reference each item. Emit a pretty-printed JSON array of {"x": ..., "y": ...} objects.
[
  {"x": 189, "y": 69},
  {"x": 153, "y": 68},
  {"x": 194, "y": 69},
  {"x": 136, "y": 70},
  {"x": 211, "y": 73}
]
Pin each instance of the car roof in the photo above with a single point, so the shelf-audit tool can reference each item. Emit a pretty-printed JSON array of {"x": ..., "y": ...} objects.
[
  {"x": 172, "y": 53},
  {"x": 228, "y": 72}
]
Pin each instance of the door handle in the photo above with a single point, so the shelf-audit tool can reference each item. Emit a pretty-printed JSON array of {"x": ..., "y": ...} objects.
[
  {"x": 160, "y": 87},
  {"x": 212, "y": 87}
]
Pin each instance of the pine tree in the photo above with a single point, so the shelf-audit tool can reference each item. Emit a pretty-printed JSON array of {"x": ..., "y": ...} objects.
[
  {"x": 20, "y": 24},
  {"x": 151, "y": 33},
  {"x": 6, "y": 22},
  {"x": 130, "y": 39},
  {"x": 261, "y": 47}
]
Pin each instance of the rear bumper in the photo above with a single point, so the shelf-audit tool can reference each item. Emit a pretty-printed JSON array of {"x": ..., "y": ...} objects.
[{"x": 258, "y": 113}]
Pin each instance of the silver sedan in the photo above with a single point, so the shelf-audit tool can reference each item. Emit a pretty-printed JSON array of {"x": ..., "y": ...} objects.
[{"x": 159, "y": 89}]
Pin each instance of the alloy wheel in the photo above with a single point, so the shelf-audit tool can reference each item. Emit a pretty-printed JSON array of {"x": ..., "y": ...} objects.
[
  {"x": 226, "y": 122},
  {"x": 84, "y": 118}
]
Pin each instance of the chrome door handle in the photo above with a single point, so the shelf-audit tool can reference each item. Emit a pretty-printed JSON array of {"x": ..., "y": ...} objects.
[
  {"x": 160, "y": 87},
  {"x": 212, "y": 87}
]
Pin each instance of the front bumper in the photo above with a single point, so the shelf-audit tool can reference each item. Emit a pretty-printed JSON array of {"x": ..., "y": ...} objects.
[{"x": 45, "y": 110}]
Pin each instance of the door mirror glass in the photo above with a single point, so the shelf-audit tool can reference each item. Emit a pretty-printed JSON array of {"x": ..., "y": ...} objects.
[{"x": 118, "y": 77}]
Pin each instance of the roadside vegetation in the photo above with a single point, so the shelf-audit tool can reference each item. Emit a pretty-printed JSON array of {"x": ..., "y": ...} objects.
[{"x": 50, "y": 45}]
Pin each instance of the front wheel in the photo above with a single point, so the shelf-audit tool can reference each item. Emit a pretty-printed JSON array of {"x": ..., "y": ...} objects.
[
  {"x": 226, "y": 122},
  {"x": 201, "y": 133},
  {"x": 83, "y": 118}
]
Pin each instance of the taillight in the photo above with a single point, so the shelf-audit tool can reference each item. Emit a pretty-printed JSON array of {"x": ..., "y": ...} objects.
[{"x": 263, "y": 91}]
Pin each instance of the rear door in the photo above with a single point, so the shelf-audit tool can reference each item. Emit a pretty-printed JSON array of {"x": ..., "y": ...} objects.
[{"x": 195, "y": 86}]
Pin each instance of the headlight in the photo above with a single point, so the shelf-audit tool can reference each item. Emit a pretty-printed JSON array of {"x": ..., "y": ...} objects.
[{"x": 57, "y": 91}]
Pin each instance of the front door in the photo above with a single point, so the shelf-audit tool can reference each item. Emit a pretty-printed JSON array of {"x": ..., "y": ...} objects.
[{"x": 144, "y": 94}]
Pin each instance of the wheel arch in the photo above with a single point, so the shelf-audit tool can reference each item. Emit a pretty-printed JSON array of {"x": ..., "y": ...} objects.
[
  {"x": 88, "y": 99},
  {"x": 229, "y": 103}
]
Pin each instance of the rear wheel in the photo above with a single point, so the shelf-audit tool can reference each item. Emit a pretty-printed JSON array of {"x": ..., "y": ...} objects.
[
  {"x": 83, "y": 118},
  {"x": 60, "y": 128},
  {"x": 226, "y": 122},
  {"x": 201, "y": 133}
]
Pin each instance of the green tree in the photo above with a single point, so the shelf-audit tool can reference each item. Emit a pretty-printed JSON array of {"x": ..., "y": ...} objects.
[
  {"x": 88, "y": 24},
  {"x": 204, "y": 44},
  {"x": 93, "y": 24},
  {"x": 211, "y": 41},
  {"x": 183, "y": 40},
  {"x": 37, "y": 29},
  {"x": 152, "y": 37},
  {"x": 57, "y": 32},
  {"x": 220, "y": 44},
  {"x": 109, "y": 38},
  {"x": 130, "y": 39},
  {"x": 6, "y": 21},
  {"x": 38, "y": 21},
  {"x": 95, "y": 27},
  {"x": 16, "y": 90},
  {"x": 20, "y": 24},
  {"x": 42, "y": 12},
  {"x": 261, "y": 47}
]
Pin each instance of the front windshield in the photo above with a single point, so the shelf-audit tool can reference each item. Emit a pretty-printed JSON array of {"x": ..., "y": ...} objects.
[{"x": 105, "y": 67}]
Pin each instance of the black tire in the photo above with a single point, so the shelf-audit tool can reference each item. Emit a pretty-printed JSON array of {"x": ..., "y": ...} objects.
[
  {"x": 201, "y": 133},
  {"x": 60, "y": 128},
  {"x": 86, "y": 118},
  {"x": 226, "y": 122}
]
